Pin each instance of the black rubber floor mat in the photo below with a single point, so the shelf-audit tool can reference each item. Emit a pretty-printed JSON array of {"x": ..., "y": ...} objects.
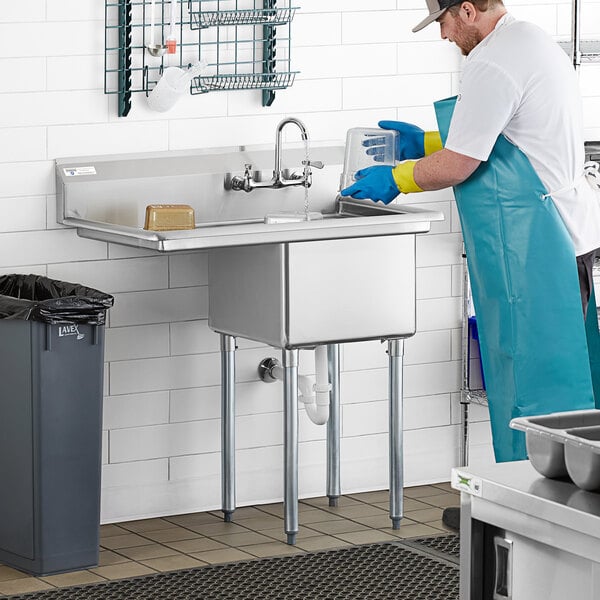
[
  {"x": 442, "y": 546},
  {"x": 376, "y": 571}
]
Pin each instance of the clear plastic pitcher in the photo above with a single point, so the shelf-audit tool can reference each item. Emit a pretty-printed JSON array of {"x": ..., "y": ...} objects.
[{"x": 367, "y": 147}]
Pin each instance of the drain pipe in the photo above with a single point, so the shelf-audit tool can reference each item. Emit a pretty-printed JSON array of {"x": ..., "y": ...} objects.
[
  {"x": 313, "y": 391},
  {"x": 317, "y": 407}
]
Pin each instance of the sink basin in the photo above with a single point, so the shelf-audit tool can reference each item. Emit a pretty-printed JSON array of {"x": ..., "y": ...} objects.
[{"x": 301, "y": 294}]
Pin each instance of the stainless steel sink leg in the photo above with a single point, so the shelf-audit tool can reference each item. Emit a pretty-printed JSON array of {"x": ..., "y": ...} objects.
[
  {"x": 227, "y": 426},
  {"x": 396, "y": 354},
  {"x": 333, "y": 426},
  {"x": 290, "y": 443}
]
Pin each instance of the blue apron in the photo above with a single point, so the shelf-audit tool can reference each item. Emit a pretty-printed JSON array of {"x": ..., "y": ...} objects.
[
  {"x": 525, "y": 291},
  {"x": 593, "y": 340}
]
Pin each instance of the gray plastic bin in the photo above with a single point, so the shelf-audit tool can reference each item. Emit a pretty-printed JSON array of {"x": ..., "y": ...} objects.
[{"x": 50, "y": 430}]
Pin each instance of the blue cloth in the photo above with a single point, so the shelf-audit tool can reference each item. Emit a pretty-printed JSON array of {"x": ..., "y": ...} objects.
[{"x": 525, "y": 290}]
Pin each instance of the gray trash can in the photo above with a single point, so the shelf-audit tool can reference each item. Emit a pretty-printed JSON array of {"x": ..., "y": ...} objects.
[{"x": 51, "y": 374}]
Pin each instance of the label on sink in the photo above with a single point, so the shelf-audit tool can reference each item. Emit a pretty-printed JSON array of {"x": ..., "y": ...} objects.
[{"x": 77, "y": 171}]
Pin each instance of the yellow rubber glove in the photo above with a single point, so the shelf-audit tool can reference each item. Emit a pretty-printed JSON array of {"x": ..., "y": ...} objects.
[
  {"x": 403, "y": 174},
  {"x": 432, "y": 142}
]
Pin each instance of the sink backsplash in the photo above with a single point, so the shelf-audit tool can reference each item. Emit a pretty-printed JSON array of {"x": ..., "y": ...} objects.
[{"x": 116, "y": 189}]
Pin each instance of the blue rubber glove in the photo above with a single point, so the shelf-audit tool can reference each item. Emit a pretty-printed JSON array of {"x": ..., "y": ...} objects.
[
  {"x": 376, "y": 183},
  {"x": 410, "y": 141}
]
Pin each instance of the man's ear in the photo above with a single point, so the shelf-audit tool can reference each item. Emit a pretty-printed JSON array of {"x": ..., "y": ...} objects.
[{"x": 468, "y": 12}]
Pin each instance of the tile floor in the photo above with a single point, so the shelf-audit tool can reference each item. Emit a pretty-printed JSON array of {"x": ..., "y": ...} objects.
[{"x": 149, "y": 546}]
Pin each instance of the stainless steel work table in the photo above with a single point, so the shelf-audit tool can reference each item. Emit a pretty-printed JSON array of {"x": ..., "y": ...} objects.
[{"x": 526, "y": 537}]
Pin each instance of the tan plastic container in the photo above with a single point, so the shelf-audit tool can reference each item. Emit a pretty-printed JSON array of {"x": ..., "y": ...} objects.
[{"x": 169, "y": 217}]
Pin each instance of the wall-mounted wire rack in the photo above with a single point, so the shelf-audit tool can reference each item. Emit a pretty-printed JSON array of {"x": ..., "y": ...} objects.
[{"x": 245, "y": 45}]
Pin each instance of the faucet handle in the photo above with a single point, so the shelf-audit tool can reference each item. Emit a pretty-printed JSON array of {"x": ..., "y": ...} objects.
[
  {"x": 317, "y": 164},
  {"x": 243, "y": 183}
]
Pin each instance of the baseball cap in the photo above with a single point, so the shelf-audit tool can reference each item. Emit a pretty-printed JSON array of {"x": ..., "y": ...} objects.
[{"x": 436, "y": 8}]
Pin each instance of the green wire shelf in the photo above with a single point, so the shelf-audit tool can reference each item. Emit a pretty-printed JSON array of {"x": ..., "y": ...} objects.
[
  {"x": 257, "y": 16},
  {"x": 250, "y": 81},
  {"x": 246, "y": 45}
]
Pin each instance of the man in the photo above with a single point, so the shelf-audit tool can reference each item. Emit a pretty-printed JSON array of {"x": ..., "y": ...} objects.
[
  {"x": 518, "y": 82},
  {"x": 514, "y": 152}
]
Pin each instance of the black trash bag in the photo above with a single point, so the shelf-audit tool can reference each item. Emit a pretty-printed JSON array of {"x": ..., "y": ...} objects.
[{"x": 38, "y": 298}]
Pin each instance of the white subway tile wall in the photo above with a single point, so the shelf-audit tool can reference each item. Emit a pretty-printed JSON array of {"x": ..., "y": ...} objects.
[{"x": 359, "y": 63}]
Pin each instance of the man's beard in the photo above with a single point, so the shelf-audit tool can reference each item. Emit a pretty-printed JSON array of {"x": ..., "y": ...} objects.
[{"x": 467, "y": 37}]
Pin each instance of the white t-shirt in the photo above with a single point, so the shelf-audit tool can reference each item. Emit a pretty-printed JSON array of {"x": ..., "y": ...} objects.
[{"x": 519, "y": 82}]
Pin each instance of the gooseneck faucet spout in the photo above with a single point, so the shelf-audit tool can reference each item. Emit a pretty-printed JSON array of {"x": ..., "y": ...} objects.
[
  {"x": 277, "y": 177},
  {"x": 247, "y": 182}
]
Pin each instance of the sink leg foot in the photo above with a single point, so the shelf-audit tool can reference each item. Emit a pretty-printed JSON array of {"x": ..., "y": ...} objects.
[
  {"x": 228, "y": 516},
  {"x": 396, "y": 522},
  {"x": 333, "y": 500},
  {"x": 291, "y": 539}
]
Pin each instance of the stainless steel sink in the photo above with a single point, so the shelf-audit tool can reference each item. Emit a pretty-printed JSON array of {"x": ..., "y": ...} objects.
[{"x": 348, "y": 276}]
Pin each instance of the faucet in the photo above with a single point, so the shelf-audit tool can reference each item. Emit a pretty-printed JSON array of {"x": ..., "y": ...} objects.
[{"x": 248, "y": 183}]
